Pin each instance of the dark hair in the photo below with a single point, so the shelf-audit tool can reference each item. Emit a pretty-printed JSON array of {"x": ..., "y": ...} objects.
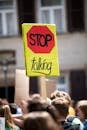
[
  {"x": 61, "y": 105},
  {"x": 53, "y": 112},
  {"x": 36, "y": 103},
  {"x": 82, "y": 105},
  {"x": 39, "y": 121}
]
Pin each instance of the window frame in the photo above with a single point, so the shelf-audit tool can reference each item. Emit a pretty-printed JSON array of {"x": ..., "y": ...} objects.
[
  {"x": 52, "y": 9},
  {"x": 3, "y": 13},
  {"x": 63, "y": 86}
]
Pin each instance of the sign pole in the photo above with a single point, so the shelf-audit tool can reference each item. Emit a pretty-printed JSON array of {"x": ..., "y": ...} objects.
[{"x": 43, "y": 88}]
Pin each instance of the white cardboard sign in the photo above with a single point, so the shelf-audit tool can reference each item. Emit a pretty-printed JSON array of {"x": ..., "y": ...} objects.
[{"x": 2, "y": 123}]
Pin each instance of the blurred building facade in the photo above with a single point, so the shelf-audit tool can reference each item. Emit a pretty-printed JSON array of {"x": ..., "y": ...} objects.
[{"x": 70, "y": 17}]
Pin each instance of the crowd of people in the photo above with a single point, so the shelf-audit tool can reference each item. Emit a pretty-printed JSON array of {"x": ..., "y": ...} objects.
[{"x": 37, "y": 113}]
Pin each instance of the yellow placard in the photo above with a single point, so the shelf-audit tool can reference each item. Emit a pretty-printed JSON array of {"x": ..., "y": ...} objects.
[{"x": 40, "y": 49}]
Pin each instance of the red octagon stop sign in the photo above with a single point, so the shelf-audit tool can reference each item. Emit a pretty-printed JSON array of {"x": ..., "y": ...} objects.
[{"x": 40, "y": 39}]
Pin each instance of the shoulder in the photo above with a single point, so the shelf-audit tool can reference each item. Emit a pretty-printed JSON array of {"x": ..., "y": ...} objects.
[
  {"x": 7, "y": 128},
  {"x": 85, "y": 124},
  {"x": 16, "y": 127},
  {"x": 68, "y": 126},
  {"x": 75, "y": 121}
]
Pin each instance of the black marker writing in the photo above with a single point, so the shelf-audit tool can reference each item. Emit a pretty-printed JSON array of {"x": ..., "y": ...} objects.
[{"x": 41, "y": 66}]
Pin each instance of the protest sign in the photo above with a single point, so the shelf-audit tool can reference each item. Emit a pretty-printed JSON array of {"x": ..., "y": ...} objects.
[
  {"x": 40, "y": 49},
  {"x": 2, "y": 123},
  {"x": 21, "y": 82}
]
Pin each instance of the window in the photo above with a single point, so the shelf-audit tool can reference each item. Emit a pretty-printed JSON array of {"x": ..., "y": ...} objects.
[
  {"x": 53, "y": 11},
  {"x": 7, "y": 57},
  {"x": 7, "y": 54},
  {"x": 8, "y": 25},
  {"x": 7, "y": 67},
  {"x": 63, "y": 82},
  {"x": 68, "y": 15}
]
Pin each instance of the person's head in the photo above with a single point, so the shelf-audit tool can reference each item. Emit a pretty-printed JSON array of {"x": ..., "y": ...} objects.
[
  {"x": 39, "y": 121},
  {"x": 53, "y": 112},
  {"x": 62, "y": 106},
  {"x": 81, "y": 109},
  {"x": 36, "y": 103},
  {"x": 6, "y": 113},
  {"x": 60, "y": 94}
]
